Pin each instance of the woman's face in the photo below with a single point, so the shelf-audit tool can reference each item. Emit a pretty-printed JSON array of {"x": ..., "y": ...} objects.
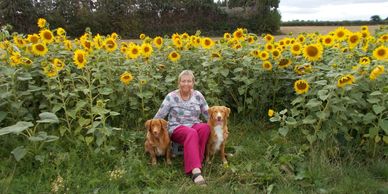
[{"x": 186, "y": 83}]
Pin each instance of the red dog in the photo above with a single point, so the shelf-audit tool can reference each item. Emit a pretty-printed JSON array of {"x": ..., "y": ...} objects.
[
  {"x": 158, "y": 141},
  {"x": 218, "y": 121}
]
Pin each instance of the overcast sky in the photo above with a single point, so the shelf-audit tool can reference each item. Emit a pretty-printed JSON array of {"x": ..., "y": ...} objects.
[{"x": 331, "y": 10}]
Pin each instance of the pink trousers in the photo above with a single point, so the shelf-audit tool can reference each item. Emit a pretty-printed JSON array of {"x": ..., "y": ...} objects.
[{"x": 194, "y": 141}]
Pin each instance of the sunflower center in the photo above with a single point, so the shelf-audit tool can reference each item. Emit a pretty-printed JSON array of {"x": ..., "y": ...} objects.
[
  {"x": 301, "y": 86},
  {"x": 39, "y": 47},
  {"x": 353, "y": 39},
  {"x": 340, "y": 34},
  {"x": 296, "y": 47},
  {"x": 47, "y": 36},
  {"x": 283, "y": 62},
  {"x": 381, "y": 52},
  {"x": 80, "y": 58},
  {"x": 312, "y": 51}
]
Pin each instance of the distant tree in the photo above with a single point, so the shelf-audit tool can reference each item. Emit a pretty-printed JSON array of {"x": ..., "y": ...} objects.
[
  {"x": 375, "y": 18},
  {"x": 20, "y": 14}
]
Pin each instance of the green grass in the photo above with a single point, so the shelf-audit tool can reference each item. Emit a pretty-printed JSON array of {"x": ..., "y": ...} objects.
[{"x": 262, "y": 162}]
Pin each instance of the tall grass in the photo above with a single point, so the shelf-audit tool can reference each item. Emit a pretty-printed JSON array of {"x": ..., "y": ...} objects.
[{"x": 260, "y": 161}]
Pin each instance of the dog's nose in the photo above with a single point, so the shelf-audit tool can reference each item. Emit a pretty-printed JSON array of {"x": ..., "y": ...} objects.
[{"x": 219, "y": 118}]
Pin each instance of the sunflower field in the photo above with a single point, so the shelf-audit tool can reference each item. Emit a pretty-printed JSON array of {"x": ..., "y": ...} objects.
[{"x": 86, "y": 91}]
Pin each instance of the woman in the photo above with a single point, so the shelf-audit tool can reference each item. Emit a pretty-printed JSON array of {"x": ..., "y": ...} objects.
[{"x": 183, "y": 108}]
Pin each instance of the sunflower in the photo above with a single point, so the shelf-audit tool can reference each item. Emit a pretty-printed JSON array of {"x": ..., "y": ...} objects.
[
  {"x": 216, "y": 55},
  {"x": 15, "y": 59},
  {"x": 86, "y": 44},
  {"x": 195, "y": 41},
  {"x": 303, "y": 69},
  {"x": 146, "y": 50},
  {"x": 50, "y": 71},
  {"x": 33, "y": 38},
  {"x": 364, "y": 61},
  {"x": 383, "y": 38},
  {"x": 313, "y": 52},
  {"x": 177, "y": 43},
  {"x": 26, "y": 61},
  {"x": 267, "y": 65},
  {"x": 239, "y": 34},
  {"x": 174, "y": 56},
  {"x": 376, "y": 72},
  {"x": 80, "y": 58},
  {"x": 58, "y": 64},
  {"x": 41, "y": 22},
  {"x": 328, "y": 41},
  {"x": 110, "y": 44},
  {"x": 354, "y": 39},
  {"x": 175, "y": 36},
  {"x": 61, "y": 31},
  {"x": 364, "y": 28},
  {"x": 301, "y": 86},
  {"x": 284, "y": 63},
  {"x": 126, "y": 77},
  {"x": 227, "y": 36},
  {"x": 296, "y": 48},
  {"x": 301, "y": 38},
  {"x": 68, "y": 45},
  {"x": 207, "y": 43},
  {"x": 158, "y": 42},
  {"x": 19, "y": 41},
  {"x": 142, "y": 36},
  {"x": 340, "y": 33},
  {"x": 133, "y": 51},
  {"x": 47, "y": 36},
  {"x": 380, "y": 53},
  {"x": 251, "y": 39},
  {"x": 269, "y": 47},
  {"x": 269, "y": 38},
  {"x": 264, "y": 55},
  {"x": 39, "y": 49},
  {"x": 185, "y": 35},
  {"x": 98, "y": 42},
  {"x": 271, "y": 113},
  {"x": 237, "y": 46},
  {"x": 345, "y": 80},
  {"x": 255, "y": 53},
  {"x": 276, "y": 53}
]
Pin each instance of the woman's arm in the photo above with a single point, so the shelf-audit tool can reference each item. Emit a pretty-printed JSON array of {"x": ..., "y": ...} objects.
[
  {"x": 164, "y": 109},
  {"x": 204, "y": 107}
]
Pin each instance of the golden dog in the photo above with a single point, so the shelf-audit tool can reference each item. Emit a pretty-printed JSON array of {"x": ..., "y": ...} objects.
[
  {"x": 218, "y": 121},
  {"x": 158, "y": 141}
]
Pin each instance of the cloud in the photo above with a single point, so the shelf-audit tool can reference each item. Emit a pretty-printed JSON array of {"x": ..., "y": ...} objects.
[{"x": 333, "y": 11}]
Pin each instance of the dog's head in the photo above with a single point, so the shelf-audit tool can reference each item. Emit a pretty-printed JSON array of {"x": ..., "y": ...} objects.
[
  {"x": 156, "y": 127},
  {"x": 219, "y": 113}
]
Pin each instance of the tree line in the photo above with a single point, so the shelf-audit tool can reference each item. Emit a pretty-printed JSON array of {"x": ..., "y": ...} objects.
[{"x": 129, "y": 18}]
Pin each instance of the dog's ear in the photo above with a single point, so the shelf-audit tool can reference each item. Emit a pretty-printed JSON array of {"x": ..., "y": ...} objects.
[
  {"x": 210, "y": 110},
  {"x": 227, "y": 110},
  {"x": 148, "y": 124},
  {"x": 164, "y": 124}
]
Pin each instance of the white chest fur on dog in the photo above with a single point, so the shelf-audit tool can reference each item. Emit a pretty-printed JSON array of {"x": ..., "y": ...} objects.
[
  {"x": 159, "y": 151},
  {"x": 220, "y": 136}
]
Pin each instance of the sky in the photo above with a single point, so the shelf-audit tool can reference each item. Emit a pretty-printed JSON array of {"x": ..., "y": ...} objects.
[{"x": 332, "y": 10}]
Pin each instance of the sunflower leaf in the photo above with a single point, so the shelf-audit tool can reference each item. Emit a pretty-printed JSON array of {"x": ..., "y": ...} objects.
[
  {"x": 378, "y": 109},
  {"x": 313, "y": 103},
  {"x": 283, "y": 131},
  {"x": 19, "y": 153}
]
